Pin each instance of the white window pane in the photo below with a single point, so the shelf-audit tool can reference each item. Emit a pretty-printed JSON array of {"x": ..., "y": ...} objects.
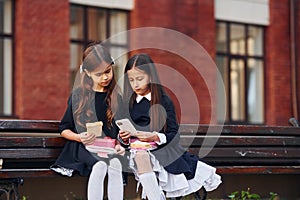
[
  {"x": 76, "y": 20},
  {"x": 255, "y": 41},
  {"x": 120, "y": 56},
  {"x": 223, "y": 69},
  {"x": 7, "y": 90},
  {"x": 97, "y": 24},
  {"x": 118, "y": 23},
  {"x": 221, "y": 37},
  {"x": 255, "y": 91},
  {"x": 5, "y": 16},
  {"x": 237, "y": 86},
  {"x": 237, "y": 39},
  {"x": 76, "y": 51},
  {"x": 6, "y": 76}
]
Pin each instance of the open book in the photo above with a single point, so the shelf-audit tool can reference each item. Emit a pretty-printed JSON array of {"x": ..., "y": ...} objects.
[{"x": 102, "y": 147}]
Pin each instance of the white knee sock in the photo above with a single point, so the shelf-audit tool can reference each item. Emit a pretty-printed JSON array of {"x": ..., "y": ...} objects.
[
  {"x": 150, "y": 186},
  {"x": 115, "y": 186},
  {"x": 96, "y": 181}
]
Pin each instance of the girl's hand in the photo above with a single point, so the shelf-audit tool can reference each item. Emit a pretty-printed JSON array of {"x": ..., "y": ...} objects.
[
  {"x": 87, "y": 138},
  {"x": 124, "y": 135},
  {"x": 147, "y": 136},
  {"x": 120, "y": 150}
]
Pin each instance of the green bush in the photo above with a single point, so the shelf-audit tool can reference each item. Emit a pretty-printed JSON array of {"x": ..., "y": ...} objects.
[{"x": 247, "y": 195}]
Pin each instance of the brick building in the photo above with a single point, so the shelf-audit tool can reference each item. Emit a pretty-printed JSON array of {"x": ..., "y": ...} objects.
[
  {"x": 250, "y": 52},
  {"x": 256, "y": 55}
]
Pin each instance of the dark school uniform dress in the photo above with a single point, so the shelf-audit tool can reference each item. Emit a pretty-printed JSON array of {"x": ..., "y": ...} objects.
[
  {"x": 171, "y": 155},
  {"x": 74, "y": 156}
]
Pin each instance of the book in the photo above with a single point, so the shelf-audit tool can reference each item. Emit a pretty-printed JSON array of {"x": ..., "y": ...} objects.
[{"x": 102, "y": 147}]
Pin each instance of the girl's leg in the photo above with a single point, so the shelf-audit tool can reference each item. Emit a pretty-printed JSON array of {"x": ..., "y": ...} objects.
[
  {"x": 147, "y": 176},
  {"x": 96, "y": 181},
  {"x": 115, "y": 186}
]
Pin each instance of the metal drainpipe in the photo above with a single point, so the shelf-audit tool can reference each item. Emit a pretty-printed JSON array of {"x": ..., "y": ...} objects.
[{"x": 293, "y": 58}]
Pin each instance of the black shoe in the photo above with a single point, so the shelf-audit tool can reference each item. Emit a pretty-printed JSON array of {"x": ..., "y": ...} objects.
[{"x": 175, "y": 198}]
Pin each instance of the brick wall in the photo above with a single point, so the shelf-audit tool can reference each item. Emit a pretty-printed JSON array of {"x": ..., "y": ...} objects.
[
  {"x": 41, "y": 82},
  {"x": 278, "y": 79},
  {"x": 297, "y": 41},
  {"x": 41, "y": 79},
  {"x": 195, "y": 19}
]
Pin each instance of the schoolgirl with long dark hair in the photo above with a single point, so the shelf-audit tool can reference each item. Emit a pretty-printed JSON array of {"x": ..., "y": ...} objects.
[
  {"x": 91, "y": 101},
  {"x": 165, "y": 169}
]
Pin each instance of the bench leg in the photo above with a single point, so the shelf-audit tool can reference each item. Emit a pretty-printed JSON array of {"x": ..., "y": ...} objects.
[
  {"x": 9, "y": 188},
  {"x": 198, "y": 196}
]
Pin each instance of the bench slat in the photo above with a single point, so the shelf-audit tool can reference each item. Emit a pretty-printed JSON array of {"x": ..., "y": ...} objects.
[
  {"x": 21, "y": 142},
  {"x": 23, "y": 173},
  {"x": 258, "y": 170},
  {"x": 30, "y": 153},
  {"x": 42, "y": 126},
  {"x": 254, "y": 130},
  {"x": 240, "y": 141},
  {"x": 254, "y": 153}
]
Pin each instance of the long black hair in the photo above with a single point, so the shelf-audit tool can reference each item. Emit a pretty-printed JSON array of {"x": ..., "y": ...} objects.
[
  {"x": 93, "y": 56},
  {"x": 146, "y": 64}
]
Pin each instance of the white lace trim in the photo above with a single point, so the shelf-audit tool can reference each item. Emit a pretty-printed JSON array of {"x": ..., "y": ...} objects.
[
  {"x": 176, "y": 185},
  {"x": 205, "y": 176},
  {"x": 63, "y": 171}
]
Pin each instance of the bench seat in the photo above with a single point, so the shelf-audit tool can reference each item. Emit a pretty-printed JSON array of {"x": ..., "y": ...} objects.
[{"x": 29, "y": 147}]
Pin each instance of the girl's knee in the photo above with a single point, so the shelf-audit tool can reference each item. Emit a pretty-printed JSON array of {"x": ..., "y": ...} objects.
[
  {"x": 99, "y": 166},
  {"x": 99, "y": 171},
  {"x": 142, "y": 156},
  {"x": 143, "y": 163},
  {"x": 115, "y": 164}
]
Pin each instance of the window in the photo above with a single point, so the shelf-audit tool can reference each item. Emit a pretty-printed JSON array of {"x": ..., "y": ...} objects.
[
  {"x": 6, "y": 57},
  {"x": 240, "y": 61},
  {"x": 90, "y": 23}
]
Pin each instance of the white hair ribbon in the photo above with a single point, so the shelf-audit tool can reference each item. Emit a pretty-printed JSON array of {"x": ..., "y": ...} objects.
[{"x": 80, "y": 69}]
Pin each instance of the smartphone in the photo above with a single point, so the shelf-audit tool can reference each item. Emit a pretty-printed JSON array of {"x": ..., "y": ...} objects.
[{"x": 126, "y": 125}]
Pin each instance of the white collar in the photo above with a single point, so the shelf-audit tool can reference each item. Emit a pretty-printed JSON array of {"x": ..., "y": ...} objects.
[{"x": 140, "y": 97}]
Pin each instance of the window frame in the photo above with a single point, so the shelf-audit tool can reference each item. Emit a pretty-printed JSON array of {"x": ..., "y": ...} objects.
[
  {"x": 228, "y": 58},
  {"x": 85, "y": 38},
  {"x": 10, "y": 36}
]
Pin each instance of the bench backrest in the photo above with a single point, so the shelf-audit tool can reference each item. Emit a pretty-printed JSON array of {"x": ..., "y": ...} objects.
[
  {"x": 244, "y": 145},
  {"x": 32, "y": 144},
  {"x": 29, "y": 144}
]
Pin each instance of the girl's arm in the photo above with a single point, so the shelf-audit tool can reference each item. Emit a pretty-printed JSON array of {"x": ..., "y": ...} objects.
[
  {"x": 124, "y": 136},
  {"x": 70, "y": 135},
  {"x": 83, "y": 137},
  {"x": 149, "y": 136},
  {"x": 171, "y": 131},
  {"x": 67, "y": 127},
  {"x": 124, "y": 139},
  {"x": 120, "y": 150}
]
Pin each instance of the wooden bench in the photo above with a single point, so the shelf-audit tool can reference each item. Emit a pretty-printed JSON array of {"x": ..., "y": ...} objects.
[
  {"x": 245, "y": 149},
  {"x": 29, "y": 147}
]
